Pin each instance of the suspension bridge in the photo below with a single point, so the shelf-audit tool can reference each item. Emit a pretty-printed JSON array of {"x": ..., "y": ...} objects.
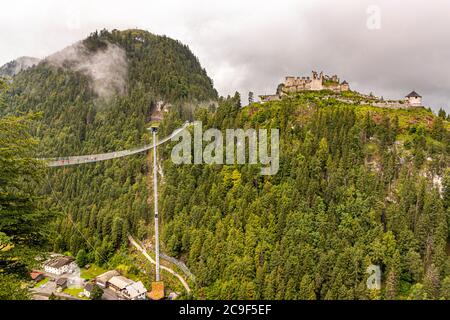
[
  {"x": 158, "y": 286},
  {"x": 77, "y": 160}
]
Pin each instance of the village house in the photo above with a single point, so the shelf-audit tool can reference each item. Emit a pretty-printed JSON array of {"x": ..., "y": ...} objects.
[
  {"x": 88, "y": 288},
  {"x": 61, "y": 283},
  {"x": 102, "y": 280},
  {"x": 119, "y": 283},
  {"x": 135, "y": 291},
  {"x": 59, "y": 265},
  {"x": 36, "y": 276},
  {"x": 124, "y": 288}
]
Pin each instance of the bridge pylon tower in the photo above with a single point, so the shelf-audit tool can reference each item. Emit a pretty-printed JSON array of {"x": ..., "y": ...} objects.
[{"x": 157, "y": 286}]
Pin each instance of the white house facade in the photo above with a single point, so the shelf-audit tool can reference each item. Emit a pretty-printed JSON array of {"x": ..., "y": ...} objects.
[
  {"x": 59, "y": 265},
  {"x": 135, "y": 291},
  {"x": 414, "y": 99}
]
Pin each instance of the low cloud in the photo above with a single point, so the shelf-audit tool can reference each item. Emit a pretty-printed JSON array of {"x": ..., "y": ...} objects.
[{"x": 107, "y": 68}]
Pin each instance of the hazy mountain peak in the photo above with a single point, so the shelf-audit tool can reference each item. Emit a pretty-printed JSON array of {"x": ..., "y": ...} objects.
[
  {"x": 107, "y": 68},
  {"x": 12, "y": 68}
]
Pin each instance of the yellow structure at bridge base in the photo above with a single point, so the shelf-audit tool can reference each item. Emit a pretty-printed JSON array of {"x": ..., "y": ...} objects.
[{"x": 157, "y": 292}]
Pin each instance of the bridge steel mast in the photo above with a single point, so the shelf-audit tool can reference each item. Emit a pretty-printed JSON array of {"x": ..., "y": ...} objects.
[{"x": 155, "y": 190}]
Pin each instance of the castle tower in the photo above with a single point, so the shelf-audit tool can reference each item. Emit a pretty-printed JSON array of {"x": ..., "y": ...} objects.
[
  {"x": 345, "y": 86},
  {"x": 317, "y": 81}
]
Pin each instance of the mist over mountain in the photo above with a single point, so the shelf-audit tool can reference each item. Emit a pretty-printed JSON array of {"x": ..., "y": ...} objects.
[
  {"x": 100, "y": 95},
  {"x": 107, "y": 67},
  {"x": 12, "y": 68}
]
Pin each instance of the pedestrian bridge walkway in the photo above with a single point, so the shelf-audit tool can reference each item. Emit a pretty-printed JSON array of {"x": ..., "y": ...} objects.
[{"x": 76, "y": 160}]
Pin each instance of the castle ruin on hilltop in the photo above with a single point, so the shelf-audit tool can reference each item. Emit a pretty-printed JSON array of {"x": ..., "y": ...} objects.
[{"x": 319, "y": 81}]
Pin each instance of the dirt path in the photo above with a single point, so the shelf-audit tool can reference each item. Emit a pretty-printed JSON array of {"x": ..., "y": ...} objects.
[{"x": 144, "y": 252}]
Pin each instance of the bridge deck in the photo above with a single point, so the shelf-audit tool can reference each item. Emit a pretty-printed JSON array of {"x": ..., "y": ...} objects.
[{"x": 76, "y": 160}]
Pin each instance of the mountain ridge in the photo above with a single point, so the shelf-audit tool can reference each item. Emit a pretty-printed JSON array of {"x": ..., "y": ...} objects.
[{"x": 15, "y": 66}]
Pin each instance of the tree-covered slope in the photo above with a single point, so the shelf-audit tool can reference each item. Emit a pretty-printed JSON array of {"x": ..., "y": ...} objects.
[
  {"x": 357, "y": 186},
  {"x": 98, "y": 96},
  {"x": 23, "y": 217}
]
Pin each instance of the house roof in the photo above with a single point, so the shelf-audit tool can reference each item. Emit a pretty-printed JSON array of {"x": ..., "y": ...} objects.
[
  {"x": 413, "y": 94},
  {"x": 89, "y": 287},
  {"x": 104, "y": 277},
  {"x": 120, "y": 282},
  {"x": 35, "y": 274},
  {"x": 345, "y": 82},
  {"x": 136, "y": 289},
  {"x": 61, "y": 281},
  {"x": 59, "y": 262}
]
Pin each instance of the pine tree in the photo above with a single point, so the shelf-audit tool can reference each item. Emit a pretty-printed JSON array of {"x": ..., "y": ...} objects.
[
  {"x": 391, "y": 285},
  {"x": 82, "y": 258},
  {"x": 250, "y": 98},
  {"x": 431, "y": 282}
]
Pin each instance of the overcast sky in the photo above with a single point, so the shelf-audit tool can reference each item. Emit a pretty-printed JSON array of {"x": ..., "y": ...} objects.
[{"x": 388, "y": 47}]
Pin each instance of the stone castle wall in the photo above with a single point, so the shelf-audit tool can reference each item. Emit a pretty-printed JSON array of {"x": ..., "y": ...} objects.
[
  {"x": 395, "y": 105},
  {"x": 317, "y": 82}
]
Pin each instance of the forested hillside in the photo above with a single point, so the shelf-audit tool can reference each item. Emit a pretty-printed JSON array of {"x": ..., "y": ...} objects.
[
  {"x": 357, "y": 186},
  {"x": 107, "y": 200},
  {"x": 24, "y": 221}
]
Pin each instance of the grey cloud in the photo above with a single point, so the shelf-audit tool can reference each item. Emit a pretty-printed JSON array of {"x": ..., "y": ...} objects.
[
  {"x": 107, "y": 68},
  {"x": 408, "y": 51},
  {"x": 252, "y": 45}
]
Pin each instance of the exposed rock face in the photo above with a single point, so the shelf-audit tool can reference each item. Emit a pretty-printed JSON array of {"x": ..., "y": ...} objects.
[{"x": 14, "y": 67}]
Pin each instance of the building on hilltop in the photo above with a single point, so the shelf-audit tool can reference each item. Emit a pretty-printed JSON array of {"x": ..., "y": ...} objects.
[
  {"x": 345, "y": 86},
  {"x": 318, "y": 81},
  {"x": 414, "y": 99},
  {"x": 411, "y": 101}
]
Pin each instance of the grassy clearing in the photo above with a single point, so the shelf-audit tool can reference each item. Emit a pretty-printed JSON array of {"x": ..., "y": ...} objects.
[
  {"x": 406, "y": 117},
  {"x": 42, "y": 282},
  {"x": 75, "y": 292},
  {"x": 92, "y": 272}
]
